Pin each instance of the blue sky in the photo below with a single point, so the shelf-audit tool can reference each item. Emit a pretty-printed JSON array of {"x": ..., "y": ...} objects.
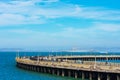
[{"x": 59, "y": 24}]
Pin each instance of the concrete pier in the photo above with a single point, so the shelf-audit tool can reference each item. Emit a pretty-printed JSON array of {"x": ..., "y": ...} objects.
[
  {"x": 69, "y": 73},
  {"x": 63, "y": 74},
  {"x": 58, "y": 73},
  {"x": 53, "y": 72},
  {"x": 108, "y": 77},
  {"x": 83, "y": 76},
  {"x": 71, "y": 68},
  {"x": 99, "y": 77},
  {"x": 118, "y": 77},
  {"x": 90, "y": 76},
  {"x": 76, "y": 75}
]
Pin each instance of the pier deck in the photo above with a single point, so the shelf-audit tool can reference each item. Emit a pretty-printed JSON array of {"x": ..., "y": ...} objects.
[{"x": 92, "y": 66}]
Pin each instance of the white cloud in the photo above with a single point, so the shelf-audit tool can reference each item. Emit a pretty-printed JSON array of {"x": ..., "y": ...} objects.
[
  {"x": 98, "y": 13},
  {"x": 109, "y": 27},
  {"x": 94, "y": 32},
  {"x": 19, "y": 31},
  {"x": 98, "y": 34},
  {"x": 12, "y": 19},
  {"x": 21, "y": 12},
  {"x": 27, "y": 12},
  {"x": 72, "y": 32}
]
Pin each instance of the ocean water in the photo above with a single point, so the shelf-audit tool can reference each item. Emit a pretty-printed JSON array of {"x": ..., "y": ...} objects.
[{"x": 9, "y": 71}]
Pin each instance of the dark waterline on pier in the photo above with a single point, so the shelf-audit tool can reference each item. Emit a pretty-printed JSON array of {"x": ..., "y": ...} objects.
[{"x": 9, "y": 71}]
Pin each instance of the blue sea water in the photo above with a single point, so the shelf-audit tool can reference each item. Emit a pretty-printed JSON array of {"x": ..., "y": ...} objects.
[{"x": 9, "y": 71}]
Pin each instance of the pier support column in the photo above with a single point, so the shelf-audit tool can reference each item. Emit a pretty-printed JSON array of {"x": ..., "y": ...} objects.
[
  {"x": 41, "y": 69},
  {"x": 44, "y": 70},
  {"x": 37, "y": 69},
  {"x": 99, "y": 77},
  {"x": 28, "y": 68},
  {"x": 58, "y": 72},
  {"x": 76, "y": 75},
  {"x": 32, "y": 68},
  {"x": 49, "y": 71},
  {"x": 118, "y": 77},
  {"x": 90, "y": 76},
  {"x": 108, "y": 77},
  {"x": 63, "y": 73},
  {"x": 53, "y": 72},
  {"x": 69, "y": 73},
  {"x": 83, "y": 76}
]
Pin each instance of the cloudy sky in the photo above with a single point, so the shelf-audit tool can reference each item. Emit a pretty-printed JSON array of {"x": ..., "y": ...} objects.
[{"x": 59, "y": 24}]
